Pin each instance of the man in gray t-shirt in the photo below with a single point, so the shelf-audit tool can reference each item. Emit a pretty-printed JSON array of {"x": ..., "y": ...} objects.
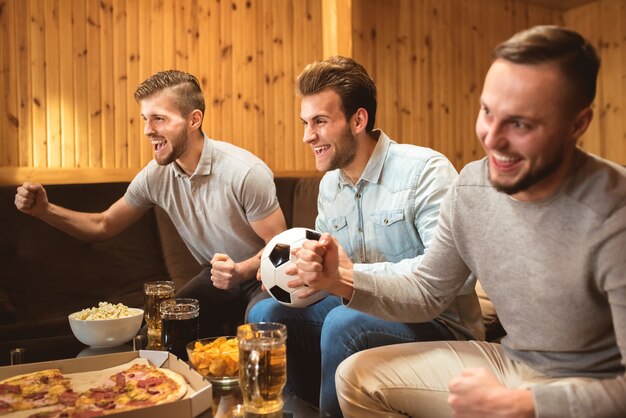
[
  {"x": 543, "y": 224},
  {"x": 221, "y": 198}
]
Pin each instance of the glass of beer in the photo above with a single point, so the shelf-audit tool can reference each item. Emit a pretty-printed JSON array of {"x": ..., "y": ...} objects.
[
  {"x": 262, "y": 367},
  {"x": 180, "y": 324},
  {"x": 154, "y": 294}
]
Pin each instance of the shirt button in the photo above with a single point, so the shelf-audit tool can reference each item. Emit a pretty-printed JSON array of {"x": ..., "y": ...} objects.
[
  {"x": 386, "y": 221},
  {"x": 358, "y": 195},
  {"x": 360, "y": 229},
  {"x": 335, "y": 227}
]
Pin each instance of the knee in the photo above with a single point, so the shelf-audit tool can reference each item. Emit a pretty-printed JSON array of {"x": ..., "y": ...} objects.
[
  {"x": 264, "y": 311},
  {"x": 258, "y": 312},
  {"x": 342, "y": 326}
]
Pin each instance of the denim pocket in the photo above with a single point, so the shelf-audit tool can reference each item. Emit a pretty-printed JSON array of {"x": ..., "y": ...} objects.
[
  {"x": 339, "y": 229},
  {"x": 391, "y": 234}
]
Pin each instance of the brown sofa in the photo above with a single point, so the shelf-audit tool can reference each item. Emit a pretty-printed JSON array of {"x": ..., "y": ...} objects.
[{"x": 46, "y": 274}]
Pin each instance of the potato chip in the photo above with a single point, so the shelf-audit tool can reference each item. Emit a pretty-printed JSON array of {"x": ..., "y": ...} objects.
[{"x": 218, "y": 358}]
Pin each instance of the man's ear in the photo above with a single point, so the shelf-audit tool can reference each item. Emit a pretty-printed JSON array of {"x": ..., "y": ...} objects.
[
  {"x": 581, "y": 123},
  {"x": 360, "y": 119},
  {"x": 195, "y": 121}
]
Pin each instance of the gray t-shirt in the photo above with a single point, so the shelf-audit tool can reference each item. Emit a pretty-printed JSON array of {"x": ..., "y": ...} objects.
[
  {"x": 555, "y": 271},
  {"x": 212, "y": 208}
]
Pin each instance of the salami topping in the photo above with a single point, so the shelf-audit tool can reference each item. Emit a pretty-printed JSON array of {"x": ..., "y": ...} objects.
[
  {"x": 68, "y": 398},
  {"x": 5, "y": 407},
  {"x": 120, "y": 380},
  {"x": 35, "y": 396},
  {"x": 9, "y": 389},
  {"x": 151, "y": 381}
]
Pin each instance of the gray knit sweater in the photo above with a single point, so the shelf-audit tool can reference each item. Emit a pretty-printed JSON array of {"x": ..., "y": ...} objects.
[{"x": 555, "y": 271}]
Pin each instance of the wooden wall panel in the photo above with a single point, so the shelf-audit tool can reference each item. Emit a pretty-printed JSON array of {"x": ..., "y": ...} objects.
[
  {"x": 9, "y": 148},
  {"x": 80, "y": 86},
  {"x": 66, "y": 87},
  {"x": 38, "y": 101},
  {"x": 604, "y": 23},
  {"x": 429, "y": 58},
  {"x": 70, "y": 68}
]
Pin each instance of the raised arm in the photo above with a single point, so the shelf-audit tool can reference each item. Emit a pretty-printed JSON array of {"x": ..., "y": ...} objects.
[{"x": 32, "y": 199}]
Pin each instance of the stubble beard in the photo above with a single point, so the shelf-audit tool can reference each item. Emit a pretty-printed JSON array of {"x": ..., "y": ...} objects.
[
  {"x": 532, "y": 177},
  {"x": 178, "y": 146},
  {"x": 345, "y": 151}
]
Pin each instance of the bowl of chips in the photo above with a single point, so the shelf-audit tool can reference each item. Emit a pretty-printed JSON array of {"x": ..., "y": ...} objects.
[
  {"x": 107, "y": 325},
  {"x": 215, "y": 358}
]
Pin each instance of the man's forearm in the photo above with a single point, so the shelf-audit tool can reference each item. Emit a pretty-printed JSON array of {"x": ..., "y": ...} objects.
[
  {"x": 84, "y": 226},
  {"x": 247, "y": 269},
  {"x": 344, "y": 285}
]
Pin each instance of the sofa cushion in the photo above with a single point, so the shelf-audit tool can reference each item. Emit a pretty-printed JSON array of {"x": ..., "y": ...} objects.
[
  {"x": 180, "y": 263},
  {"x": 298, "y": 200}
]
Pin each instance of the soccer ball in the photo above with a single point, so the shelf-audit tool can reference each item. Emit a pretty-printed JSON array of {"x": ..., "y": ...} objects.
[{"x": 276, "y": 258}]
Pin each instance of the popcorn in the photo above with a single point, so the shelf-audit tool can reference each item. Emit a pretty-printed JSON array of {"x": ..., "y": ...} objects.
[{"x": 105, "y": 310}]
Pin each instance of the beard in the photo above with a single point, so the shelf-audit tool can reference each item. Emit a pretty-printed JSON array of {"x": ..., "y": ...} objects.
[
  {"x": 346, "y": 150},
  {"x": 532, "y": 177},
  {"x": 178, "y": 145}
]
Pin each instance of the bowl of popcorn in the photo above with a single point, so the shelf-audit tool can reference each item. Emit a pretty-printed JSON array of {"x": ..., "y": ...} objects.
[
  {"x": 106, "y": 325},
  {"x": 215, "y": 358}
]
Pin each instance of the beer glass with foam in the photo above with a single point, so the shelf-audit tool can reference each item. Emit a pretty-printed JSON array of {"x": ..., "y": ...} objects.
[
  {"x": 262, "y": 367},
  {"x": 154, "y": 294}
]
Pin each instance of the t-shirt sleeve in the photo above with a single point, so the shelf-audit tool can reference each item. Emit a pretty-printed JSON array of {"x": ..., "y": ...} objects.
[
  {"x": 137, "y": 193},
  {"x": 259, "y": 193}
]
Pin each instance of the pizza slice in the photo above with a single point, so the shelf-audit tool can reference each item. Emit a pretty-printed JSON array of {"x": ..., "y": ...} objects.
[
  {"x": 135, "y": 387},
  {"x": 35, "y": 390},
  {"x": 50, "y": 394}
]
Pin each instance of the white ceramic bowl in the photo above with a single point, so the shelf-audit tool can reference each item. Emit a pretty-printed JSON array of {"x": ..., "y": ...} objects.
[{"x": 107, "y": 332}]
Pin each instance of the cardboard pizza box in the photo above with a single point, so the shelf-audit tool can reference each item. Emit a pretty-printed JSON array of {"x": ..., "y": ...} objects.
[{"x": 195, "y": 405}]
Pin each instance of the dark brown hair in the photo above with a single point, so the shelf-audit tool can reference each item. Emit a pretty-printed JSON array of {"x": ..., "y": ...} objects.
[
  {"x": 348, "y": 79},
  {"x": 183, "y": 87},
  {"x": 575, "y": 56}
]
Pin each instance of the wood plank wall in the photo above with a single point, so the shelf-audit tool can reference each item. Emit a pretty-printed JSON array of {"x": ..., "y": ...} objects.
[
  {"x": 68, "y": 69},
  {"x": 429, "y": 58},
  {"x": 604, "y": 23}
]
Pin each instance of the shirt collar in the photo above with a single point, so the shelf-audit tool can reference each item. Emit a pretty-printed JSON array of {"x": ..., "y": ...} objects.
[
  {"x": 204, "y": 164},
  {"x": 374, "y": 166}
]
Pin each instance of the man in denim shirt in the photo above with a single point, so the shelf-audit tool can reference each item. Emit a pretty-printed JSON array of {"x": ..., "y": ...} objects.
[{"x": 381, "y": 201}]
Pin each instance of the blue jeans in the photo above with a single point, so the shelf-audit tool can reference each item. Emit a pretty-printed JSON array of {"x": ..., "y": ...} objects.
[{"x": 321, "y": 336}]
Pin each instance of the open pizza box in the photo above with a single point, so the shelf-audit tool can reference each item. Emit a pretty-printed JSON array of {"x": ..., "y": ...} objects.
[{"x": 198, "y": 399}]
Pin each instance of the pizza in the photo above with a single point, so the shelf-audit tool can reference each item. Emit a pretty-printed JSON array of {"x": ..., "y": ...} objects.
[
  {"x": 137, "y": 386},
  {"x": 34, "y": 390},
  {"x": 50, "y": 394}
]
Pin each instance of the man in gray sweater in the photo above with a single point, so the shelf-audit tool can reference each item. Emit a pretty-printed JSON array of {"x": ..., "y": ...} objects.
[{"x": 543, "y": 224}]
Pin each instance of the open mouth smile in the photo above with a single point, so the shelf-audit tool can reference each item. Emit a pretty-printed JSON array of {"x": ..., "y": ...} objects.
[
  {"x": 158, "y": 144},
  {"x": 321, "y": 149},
  {"x": 504, "y": 162}
]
